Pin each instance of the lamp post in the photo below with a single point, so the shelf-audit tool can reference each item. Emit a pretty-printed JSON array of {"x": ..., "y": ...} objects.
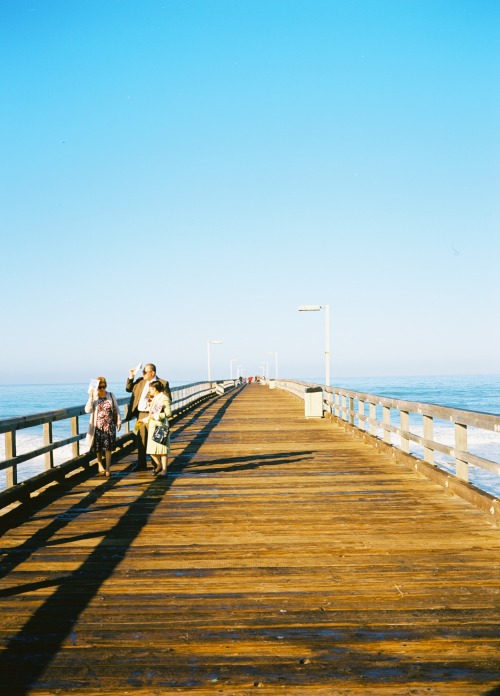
[
  {"x": 275, "y": 353},
  {"x": 208, "y": 356},
  {"x": 317, "y": 308},
  {"x": 231, "y": 365}
]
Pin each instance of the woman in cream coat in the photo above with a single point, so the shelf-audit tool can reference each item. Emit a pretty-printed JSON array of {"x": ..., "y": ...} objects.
[{"x": 159, "y": 412}]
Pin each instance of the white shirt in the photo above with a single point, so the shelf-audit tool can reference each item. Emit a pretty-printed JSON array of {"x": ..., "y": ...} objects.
[{"x": 144, "y": 400}]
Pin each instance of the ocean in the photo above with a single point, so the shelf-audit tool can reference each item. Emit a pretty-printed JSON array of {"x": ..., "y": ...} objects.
[{"x": 471, "y": 392}]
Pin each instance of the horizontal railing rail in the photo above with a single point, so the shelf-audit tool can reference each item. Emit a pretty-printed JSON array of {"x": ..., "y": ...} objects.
[
  {"x": 361, "y": 410},
  {"x": 182, "y": 397},
  {"x": 293, "y": 386}
]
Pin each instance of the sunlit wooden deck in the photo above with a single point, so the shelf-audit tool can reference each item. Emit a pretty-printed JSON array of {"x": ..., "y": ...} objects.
[{"x": 281, "y": 555}]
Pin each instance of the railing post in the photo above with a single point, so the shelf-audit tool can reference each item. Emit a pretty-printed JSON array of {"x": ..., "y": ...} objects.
[
  {"x": 428, "y": 435},
  {"x": 373, "y": 417},
  {"x": 386, "y": 418},
  {"x": 75, "y": 430},
  {"x": 329, "y": 401},
  {"x": 47, "y": 440},
  {"x": 462, "y": 468},
  {"x": 351, "y": 410},
  {"x": 361, "y": 413},
  {"x": 405, "y": 426},
  {"x": 10, "y": 453},
  {"x": 337, "y": 404},
  {"x": 125, "y": 415}
]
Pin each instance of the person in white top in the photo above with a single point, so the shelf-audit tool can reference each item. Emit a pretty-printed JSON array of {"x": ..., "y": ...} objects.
[{"x": 139, "y": 406}]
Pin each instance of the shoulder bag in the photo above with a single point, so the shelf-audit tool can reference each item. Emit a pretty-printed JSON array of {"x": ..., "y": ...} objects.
[{"x": 161, "y": 432}]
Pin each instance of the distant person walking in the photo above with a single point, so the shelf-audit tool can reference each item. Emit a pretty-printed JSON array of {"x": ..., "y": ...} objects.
[
  {"x": 159, "y": 413},
  {"x": 139, "y": 407},
  {"x": 105, "y": 420}
]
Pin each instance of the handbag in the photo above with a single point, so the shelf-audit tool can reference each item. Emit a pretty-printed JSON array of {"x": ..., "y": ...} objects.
[{"x": 160, "y": 434}]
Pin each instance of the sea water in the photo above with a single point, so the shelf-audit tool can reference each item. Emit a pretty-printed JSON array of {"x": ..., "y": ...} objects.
[{"x": 475, "y": 393}]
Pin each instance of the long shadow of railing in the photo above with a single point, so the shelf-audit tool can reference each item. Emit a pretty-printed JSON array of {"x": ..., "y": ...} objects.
[
  {"x": 20, "y": 554},
  {"x": 32, "y": 649}
]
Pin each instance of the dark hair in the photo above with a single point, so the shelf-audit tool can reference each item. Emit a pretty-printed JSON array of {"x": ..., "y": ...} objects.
[
  {"x": 156, "y": 384},
  {"x": 153, "y": 367}
]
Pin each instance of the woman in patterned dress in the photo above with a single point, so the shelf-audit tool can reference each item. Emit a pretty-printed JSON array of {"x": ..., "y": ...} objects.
[
  {"x": 159, "y": 411},
  {"x": 104, "y": 422}
]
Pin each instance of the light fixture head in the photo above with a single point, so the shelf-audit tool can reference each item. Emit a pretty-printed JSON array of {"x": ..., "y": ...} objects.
[{"x": 309, "y": 308}]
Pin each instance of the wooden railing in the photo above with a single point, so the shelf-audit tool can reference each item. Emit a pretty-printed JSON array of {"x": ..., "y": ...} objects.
[
  {"x": 361, "y": 410},
  {"x": 182, "y": 398}
]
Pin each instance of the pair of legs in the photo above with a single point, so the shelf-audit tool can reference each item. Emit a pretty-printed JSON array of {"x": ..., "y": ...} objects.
[
  {"x": 104, "y": 442},
  {"x": 103, "y": 470},
  {"x": 161, "y": 461},
  {"x": 142, "y": 441}
]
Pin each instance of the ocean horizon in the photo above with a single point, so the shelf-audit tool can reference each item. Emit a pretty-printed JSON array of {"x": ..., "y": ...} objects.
[{"x": 476, "y": 392}]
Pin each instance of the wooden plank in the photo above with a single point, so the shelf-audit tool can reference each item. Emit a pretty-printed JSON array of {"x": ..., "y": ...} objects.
[{"x": 281, "y": 554}]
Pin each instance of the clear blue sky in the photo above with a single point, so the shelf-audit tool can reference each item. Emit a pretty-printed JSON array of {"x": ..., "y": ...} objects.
[{"x": 173, "y": 171}]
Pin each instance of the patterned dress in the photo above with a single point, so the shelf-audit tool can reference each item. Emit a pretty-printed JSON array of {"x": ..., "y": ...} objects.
[{"x": 105, "y": 428}]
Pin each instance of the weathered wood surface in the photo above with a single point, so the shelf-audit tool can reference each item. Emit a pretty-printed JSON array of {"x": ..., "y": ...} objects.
[{"x": 281, "y": 555}]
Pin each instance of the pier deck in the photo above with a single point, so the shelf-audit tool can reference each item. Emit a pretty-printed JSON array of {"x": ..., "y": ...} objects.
[{"x": 281, "y": 556}]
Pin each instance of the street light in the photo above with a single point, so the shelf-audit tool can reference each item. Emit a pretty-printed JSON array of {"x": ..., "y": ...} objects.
[
  {"x": 316, "y": 308},
  {"x": 208, "y": 355},
  {"x": 275, "y": 353},
  {"x": 231, "y": 365}
]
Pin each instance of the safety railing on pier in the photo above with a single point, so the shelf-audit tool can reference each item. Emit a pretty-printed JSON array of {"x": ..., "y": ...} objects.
[
  {"x": 183, "y": 397},
  {"x": 397, "y": 422}
]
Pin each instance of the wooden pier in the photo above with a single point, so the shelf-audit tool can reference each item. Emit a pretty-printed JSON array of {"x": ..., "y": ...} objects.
[{"x": 281, "y": 556}]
